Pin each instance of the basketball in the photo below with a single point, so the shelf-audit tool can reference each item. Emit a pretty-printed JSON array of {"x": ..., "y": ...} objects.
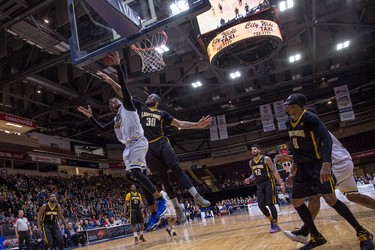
[{"x": 107, "y": 60}]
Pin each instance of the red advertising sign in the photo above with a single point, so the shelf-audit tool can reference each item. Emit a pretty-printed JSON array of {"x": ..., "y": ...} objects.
[
  {"x": 18, "y": 120},
  {"x": 15, "y": 156},
  {"x": 116, "y": 165}
]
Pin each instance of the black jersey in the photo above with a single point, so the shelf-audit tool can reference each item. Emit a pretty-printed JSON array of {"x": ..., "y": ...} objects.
[
  {"x": 309, "y": 138},
  {"x": 153, "y": 121},
  {"x": 134, "y": 200},
  {"x": 261, "y": 170},
  {"x": 50, "y": 214}
]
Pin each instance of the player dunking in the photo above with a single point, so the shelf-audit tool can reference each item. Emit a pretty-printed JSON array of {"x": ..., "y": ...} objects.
[
  {"x": 135, "y": 214},
  {"x": 129, "y": 131},
  {"x": 47, "y": 223},
  {"x": 265, "y": 173},
  {"x": 161, "y": 156}
]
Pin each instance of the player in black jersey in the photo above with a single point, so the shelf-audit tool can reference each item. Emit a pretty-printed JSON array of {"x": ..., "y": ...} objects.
[
  {"x": 135, "y": 214},
  {"x": 129, "y": 132},
  {"x": 47, "y": 222},
  {"x": 312, "y": 171},
  {"x": 161, "y": 156},
  {"x": 264, "y": 173}
]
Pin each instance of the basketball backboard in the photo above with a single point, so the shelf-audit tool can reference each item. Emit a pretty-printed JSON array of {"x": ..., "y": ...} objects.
[{"x": 102, "y": 26}]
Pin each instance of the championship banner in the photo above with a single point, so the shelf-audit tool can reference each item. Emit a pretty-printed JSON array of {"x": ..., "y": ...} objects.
[
  {"x": 267, "y": 117},
  {"x": 213, "y": 130},
  {"x": 222, "y": 126},
  {"x": 281, "y": 116},
  {"x": 344, "y": 103}
]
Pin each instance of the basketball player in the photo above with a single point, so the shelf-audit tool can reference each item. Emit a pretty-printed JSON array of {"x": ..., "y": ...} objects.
[
  {"x": 47, "y": 222},
  {"x": 342, "y": 168},
  {"x": 135, "y": 202},
  {"x": 129, "y": 132},
  {"x": 161, "y": 156},
  {"x": 311, "y": 172},
  {"x": 170, "y": 215},
  {"x": 262, "y": 167}
]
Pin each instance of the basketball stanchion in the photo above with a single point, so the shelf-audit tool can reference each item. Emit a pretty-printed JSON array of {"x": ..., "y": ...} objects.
[{"x": 152, "y": 60}]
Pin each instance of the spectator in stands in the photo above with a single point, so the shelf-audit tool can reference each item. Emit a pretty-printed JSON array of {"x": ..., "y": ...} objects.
[
  {"x": 36, "y": 239},
  {"x": 23, "y": 230}
]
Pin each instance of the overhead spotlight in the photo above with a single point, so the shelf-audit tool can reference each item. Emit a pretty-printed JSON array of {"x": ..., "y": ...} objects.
[
  {"x": 46, "y": 21},
  {"x": 196, "y": 84},
  {"x": 235, "y": 75},
  {"x": 342, "y": 45},
  {"x": 284, "y": 5},
  {"x": 162, "y": 49},
  {"x": 329, "y": 102},
  {"x": 294, "y": 58}
]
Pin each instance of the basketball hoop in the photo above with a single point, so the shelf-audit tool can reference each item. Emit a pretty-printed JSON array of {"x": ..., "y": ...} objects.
[{"x": 152, "y": 60}]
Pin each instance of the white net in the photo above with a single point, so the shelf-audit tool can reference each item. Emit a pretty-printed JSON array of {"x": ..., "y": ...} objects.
[{"x": 148, "y": 48}]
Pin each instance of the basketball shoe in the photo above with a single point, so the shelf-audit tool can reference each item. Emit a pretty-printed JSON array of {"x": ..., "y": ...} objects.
[
  {"x": 141, "y": 238},
  {"x": 297, "y": 235},
  {"x": 168, "y": 231},
  {"x": 365, "y": 238},
  {"x": 180, "y": 214},
  {"x": 274, "y": 228},
  {"x": 200, "y": 201},
  {"x": 314, "y": 241}
]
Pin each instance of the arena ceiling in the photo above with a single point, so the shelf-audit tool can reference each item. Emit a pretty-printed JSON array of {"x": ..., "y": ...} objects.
[{"x": 38, "y": 82}]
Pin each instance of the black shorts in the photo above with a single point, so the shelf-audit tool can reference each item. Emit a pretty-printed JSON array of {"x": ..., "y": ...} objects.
[
  {"x": 307, "y": 181},
  {"x": 136, "y": 216},
  {"x": 161, "y": 156},
  {"x": 266, "y": 193}
]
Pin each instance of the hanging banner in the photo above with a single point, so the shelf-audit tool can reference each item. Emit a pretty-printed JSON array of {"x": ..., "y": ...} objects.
[
  {"x": 344, "y": 103},
  {"x": 280, "y": 114},
  {"x": 213, "y": 130},
  {"x": 222, "y": 126},
  {"x": 267, "y": 117}
]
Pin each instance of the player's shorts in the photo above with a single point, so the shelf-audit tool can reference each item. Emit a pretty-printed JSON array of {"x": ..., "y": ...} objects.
[
  {"x": 136, "y": 216},
  {"x": 171, "y": 212},
  {"x": 266, "y": 193},
  {"x": 307, "y": 181},
  {"x": 343, "y": 172},
  {"x": 134, "y": 154}
]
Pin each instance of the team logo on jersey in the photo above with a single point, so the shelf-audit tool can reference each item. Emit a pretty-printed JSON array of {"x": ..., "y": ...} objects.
[{"x": 118, "y": 121}]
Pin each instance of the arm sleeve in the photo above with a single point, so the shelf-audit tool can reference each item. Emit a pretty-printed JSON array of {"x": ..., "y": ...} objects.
[
  {"x": 103, "y": 127},
  {"x": 138, "y": 104},
  {"x": 127, "y": 102},
  {"x": 323, "y": 134}
]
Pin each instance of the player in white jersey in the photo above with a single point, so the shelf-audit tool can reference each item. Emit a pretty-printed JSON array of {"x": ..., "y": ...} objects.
[
  {"x": 170, "y": 215},
  {"x": 342, "y": 168},
  {"x": 129, "y": 132}
]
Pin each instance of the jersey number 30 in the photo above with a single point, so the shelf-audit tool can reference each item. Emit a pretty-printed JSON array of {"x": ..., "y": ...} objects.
[{"x": 151, "y": 122}]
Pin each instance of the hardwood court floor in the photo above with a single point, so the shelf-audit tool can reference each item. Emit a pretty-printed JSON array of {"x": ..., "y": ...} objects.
[{"x": 239, "y": 231}]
